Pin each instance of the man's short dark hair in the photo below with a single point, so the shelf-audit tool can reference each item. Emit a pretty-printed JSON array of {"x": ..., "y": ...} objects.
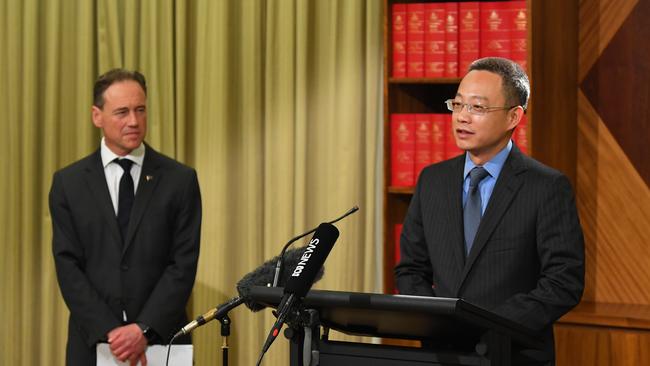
[
  {"x": 113, "y": 76},
  {"x": 516, "y": 86}
]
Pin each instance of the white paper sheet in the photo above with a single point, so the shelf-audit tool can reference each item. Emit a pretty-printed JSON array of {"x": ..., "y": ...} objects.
[{"x": 180, "y": 355}]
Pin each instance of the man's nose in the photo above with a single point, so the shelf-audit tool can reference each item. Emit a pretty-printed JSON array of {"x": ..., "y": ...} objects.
[
  {"x": 463, "y": 115},
  {"x": 132, "y": 119}
]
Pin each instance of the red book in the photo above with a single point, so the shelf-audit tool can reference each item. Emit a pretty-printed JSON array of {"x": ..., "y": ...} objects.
[
  {"x": 399, "y": 40},
  {"x": 415, "y": 40},
  {"x": 451, "y": 150},
  {"x": 402, "y": 129},
  {"x": 398, "y": 234},
  {"x": 468, "y": 35},
  {"x": 518, "y": 33},
  {"x": 520, "y": 136},
  {"x": 423, "y": 142},
  {"x": 451, "y": 40},
  {"x": 439, "y": 124},
  {"x": 434, "y": 40},
  {"x": 494, "y": 28}
]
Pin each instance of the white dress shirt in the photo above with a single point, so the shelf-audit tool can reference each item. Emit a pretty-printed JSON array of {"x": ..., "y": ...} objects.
[{"x": 113, "y": 171}]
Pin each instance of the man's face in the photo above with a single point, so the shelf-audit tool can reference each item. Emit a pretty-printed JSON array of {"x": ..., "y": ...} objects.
[
  {"x": 123, "y": 117},
  {"x": 483, "y": 136}
]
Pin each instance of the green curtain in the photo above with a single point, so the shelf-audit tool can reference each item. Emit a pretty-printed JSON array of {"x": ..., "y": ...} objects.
[{"x": 277, "y": 104}]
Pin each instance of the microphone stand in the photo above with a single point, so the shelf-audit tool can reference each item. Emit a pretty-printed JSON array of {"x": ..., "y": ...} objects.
[
  {"x": 278, "y": 265},
  {"x": 221, "y": 315},
  {"x": 225, "y": 332}
]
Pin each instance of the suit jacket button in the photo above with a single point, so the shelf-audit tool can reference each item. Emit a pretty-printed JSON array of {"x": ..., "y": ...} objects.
[{"x": 125, "y": 267}]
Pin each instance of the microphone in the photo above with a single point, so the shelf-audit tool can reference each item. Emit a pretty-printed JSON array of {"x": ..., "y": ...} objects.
[
  {"x": 264, "y": 275},
  {"x": 302, "y": 277},
  {"x": 216, "y": 313},
  {"x": 278, "y": 266},
  {"x": 261, "y": 276}
]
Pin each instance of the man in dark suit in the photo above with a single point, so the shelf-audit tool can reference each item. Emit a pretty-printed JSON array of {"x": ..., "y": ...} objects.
[
  {"x": 493, "y": 226},
  {"x": 126, "y": 230}
]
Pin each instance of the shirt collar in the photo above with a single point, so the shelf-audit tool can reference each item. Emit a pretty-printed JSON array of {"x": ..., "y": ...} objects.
[
  {"x": 493, "y": 166},
  {"x": 136, "y": 155}
]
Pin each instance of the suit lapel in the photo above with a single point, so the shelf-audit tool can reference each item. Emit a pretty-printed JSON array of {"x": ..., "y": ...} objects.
[
  {"x": 454, "y": 205},
  {"x": 504, "y": 192},
  {"x": 96, "y": 180},
  {"x": 149, "y": 178}
]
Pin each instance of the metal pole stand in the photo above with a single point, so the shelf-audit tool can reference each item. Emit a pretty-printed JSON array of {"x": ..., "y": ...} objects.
[{"x": 225, "y": 332}]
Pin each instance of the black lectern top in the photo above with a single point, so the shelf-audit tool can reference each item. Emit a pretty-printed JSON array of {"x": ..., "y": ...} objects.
[{"x": 402, "y": 316}]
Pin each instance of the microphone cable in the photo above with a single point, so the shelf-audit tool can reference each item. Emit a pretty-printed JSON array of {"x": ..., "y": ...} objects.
[{"x": 169, "y": 347}]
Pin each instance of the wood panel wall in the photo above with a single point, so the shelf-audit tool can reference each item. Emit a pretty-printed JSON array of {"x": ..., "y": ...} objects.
[
  {"x": 612, "y": 324},
  {"x": 613, "y": 142}
]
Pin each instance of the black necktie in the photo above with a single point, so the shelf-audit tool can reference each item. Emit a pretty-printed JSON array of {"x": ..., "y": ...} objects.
[
  {"x": 472, "y": 211},
  {"x": 126, "y": 197}
]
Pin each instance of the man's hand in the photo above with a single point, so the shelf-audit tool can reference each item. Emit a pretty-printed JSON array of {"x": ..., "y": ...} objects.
[
  {"x": 128, "y": 343},
  {"x": 133, "y": 361}
]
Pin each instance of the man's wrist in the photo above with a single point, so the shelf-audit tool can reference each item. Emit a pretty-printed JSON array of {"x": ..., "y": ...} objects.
[{"x": 148, "y": 333}]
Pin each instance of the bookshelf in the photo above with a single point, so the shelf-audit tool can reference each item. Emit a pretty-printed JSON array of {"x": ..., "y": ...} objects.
[{"x": 552, "y": 69}]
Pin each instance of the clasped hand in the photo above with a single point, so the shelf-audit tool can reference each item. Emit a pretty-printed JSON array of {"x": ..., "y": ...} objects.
[{"x": 128, "y": 343}]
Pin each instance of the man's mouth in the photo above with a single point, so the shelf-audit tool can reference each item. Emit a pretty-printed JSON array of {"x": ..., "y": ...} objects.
[{"x": 463, "y": 133}]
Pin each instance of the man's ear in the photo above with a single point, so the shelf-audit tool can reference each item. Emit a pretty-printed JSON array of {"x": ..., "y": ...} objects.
[
  {"x": 97, "y": 117},
  {"x": 515, "y": 116}
]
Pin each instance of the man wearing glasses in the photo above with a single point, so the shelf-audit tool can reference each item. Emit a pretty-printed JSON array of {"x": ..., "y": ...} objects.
[{"x": 494, "y": 226}]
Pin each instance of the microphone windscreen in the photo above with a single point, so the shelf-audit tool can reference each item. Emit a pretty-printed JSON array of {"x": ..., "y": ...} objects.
[
  {"x": 263, "y": 275},
  {"x": 306, "y": 270}
]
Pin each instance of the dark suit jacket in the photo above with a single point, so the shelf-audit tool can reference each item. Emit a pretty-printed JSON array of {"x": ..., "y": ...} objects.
[
  {"x": 527, "y": 260},
  {"x": 150, "y": 276}
]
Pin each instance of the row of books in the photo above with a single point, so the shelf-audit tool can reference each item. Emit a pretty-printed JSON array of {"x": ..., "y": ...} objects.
[
  {"x": 421, "y": 139},
  {"x": 442, "y": 39}
]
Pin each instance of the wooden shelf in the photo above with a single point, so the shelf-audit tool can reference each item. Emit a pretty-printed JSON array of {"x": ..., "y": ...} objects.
[
  {"x": 401, "y": 190},
  {"x": 628, "y": 316},
  {"x": 424, "y": 80}
]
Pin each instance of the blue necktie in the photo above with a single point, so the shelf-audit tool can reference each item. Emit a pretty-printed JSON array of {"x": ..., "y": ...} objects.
[
  {"x": 472, "y": 212},
  {"x": 126, "y": 197}
]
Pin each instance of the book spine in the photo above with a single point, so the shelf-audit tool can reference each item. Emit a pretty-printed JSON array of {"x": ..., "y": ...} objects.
[
  {"x": 434, "y": 40},
  {"x": 398, "y": 234},
  {"x": 519, "y": 33},
  {"x": 415, "y": 40},
  {"x": 399, "y": 40},
  {"x": 402, "y": 150},
  {"x": 439, "y": 131},
  {"x": 451, "y": 149},
  {"x": 423, "y": 142},
  {"x": 494, "y": 29},
  {"x": 468, "y": 35},
  {"x": 451, "y": 40}
]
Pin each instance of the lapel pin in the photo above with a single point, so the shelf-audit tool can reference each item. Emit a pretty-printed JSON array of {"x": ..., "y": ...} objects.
[{"x": 148, "y": 177}]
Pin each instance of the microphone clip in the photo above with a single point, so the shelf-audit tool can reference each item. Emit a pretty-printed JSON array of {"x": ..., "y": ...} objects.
[
  {"x": 304, "y": 318},
  {"x": 293, "y": 315}
]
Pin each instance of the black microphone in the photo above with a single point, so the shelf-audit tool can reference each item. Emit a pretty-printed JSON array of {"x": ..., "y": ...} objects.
[
  {"x": 264, "y": 274},
  {"x": 313, "y": 258},
  {"x": 261, "y": 276},
  {"x": 278, "y": 265},
  {"x": 302, "y": 277}
]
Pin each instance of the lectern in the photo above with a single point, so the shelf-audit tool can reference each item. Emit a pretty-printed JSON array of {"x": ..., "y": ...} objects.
[{"x": 453, "y": 331}]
